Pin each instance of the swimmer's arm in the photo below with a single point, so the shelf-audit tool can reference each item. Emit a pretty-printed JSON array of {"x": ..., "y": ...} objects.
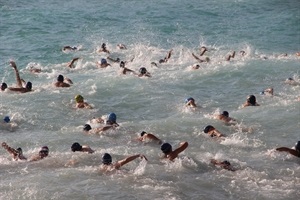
[
  {"x": 68, "y": 80},
  {"x": 87, "y": 149},
  {"x": 70, "y": 64},
  {"x": 88, "y": 106},
  {"x": 203, "y": 50},
  {"x": 152, "y": 137},
  {"x": 197, "y": 58},
  {"x": 129, "y": 159},
  {"x": 291, "y": 151},
  {"x": 10, "y": 150},
  {"x": 218, "y": 133},
  {"x": 19, "y": 81},
  {"x": 181, "y": 148}
]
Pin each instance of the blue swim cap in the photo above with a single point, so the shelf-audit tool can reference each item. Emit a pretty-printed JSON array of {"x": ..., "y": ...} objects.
[
  {"x": 103, "y": 61},
  {"x": 297, "y": 146},
  {"x": 6, "y": 119},
  {"x": 207, "y": 128},
  {"x": 189, "y": 99},
  {"x": 106, "y": 159},
  {"x": 166, "y": 148},
  {"x": 112, "y": 117}
]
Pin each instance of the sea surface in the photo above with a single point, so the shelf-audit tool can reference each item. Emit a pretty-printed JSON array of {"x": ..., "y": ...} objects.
[{"x": 33, "y": 33}]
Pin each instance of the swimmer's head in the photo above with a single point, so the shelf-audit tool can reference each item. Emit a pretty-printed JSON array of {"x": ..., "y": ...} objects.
[
  {"x": 79, "y": 98},
  {"x": 29, "y": 85},
  {"x": 106, "y": 159},
  {"x": 143, "y": 70},
  {"x": 143, "y": 133},
  {"x": 225, "y": 162},
  {"x": 161, "y": 61},
  {"x": 3, "y": 86},
  {"x": 207, "y": 59},
  {"x": 76, "y": 147},
  {"x": 6, "y": 119},
  {"x": 225, "y": 113},
  {"x": 103, "y": 45},
  {"x": 44, "y": 151},
  {"x": 60, "y": 78},
  {"x": 112, "y": 118},
  {"x": 189, "y": 99},
  {"x": 297, "y": 146},
  {"x": 208, "y": 128},
  {"x": 87, "y": 127},
  {"x": 122, "y": 64},
  {"x": 19, "y": 150},
  {"x": 166, "y": 148},
  {"x": 251, "y": 99},
  {"x": 103, "y": 61}
]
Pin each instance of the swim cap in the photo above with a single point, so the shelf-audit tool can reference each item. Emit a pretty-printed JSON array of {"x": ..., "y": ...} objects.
[
  {"x": 225, "y": 113},
  {"x": 225, "y": 162},
  {"x": 112, "y": 118},
  {"x": 251, "y": 99},
  {"x": 207, "y": 128},
  {"x": 189, "y": 99},
  {"x": 161, "y": 61},
  {"x": 76, "y": 147},
  {"x": 87, "y": 127},
  {"x": 143, "y": 133},
  {"x": 29, "y": 85},
  {"x": 45, "y": 148},
  {"x": 122, "y": 64},
  {"x": 166, "y": 148},
  {"x": 106, "y": 159},
  {"x": 78, "y": 98},
  {"x": 103, "y": 61},
  {"x": 3, "y": 86},
  {"x": 297, "y": 146},
  {"x": 6, "y": 119},
  {"x": 143, "y": 70},
  {"x": 60, "y": 78},
  {"x": 19, "y": 150}
]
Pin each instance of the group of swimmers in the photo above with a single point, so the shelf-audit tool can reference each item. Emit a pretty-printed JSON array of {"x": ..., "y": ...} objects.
[{"x": 110, "y": 123}]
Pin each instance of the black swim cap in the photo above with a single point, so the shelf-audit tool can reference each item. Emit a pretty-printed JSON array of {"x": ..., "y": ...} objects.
[
  {"x": 207, "y": 128},
  {"x": 251, "y": 99},
  {"x": 297, "y": 146},
  {"x": 225, "y": 113},
  {"x": 3, "y": 86},
  {"x": 60, "y": 78},
  {"x": 76, "y": 147},
  {"x": 29, "y": 85},
  {"x": 143, "y": 133},
  {"x": 225, "y": 162},
  {"x": 143, "y": 70},
  {"x": 87, "y": 127},
  {"x": 106, "y": 159},
  {"x": 166, "y": 148},
  {"x": 19, "y": 150},
  {"x": 122, "y": 64}
]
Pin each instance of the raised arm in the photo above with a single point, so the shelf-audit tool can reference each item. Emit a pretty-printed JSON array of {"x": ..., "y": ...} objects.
[
  {"x": 19, "y": 81},
  {"x": 291, "y": 151},
  {"x": 128, "y": 159},
  {"x": 181, "y": 148}
]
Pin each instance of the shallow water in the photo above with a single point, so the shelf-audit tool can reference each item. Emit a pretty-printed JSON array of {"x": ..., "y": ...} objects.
[{"x": 34, "y": 33}]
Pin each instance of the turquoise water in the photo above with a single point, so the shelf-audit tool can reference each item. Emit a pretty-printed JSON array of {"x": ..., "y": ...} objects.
[{"x": 33, "y": 34}]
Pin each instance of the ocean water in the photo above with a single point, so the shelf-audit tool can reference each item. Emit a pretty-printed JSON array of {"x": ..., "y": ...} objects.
[{"x": 33, "y": 33}]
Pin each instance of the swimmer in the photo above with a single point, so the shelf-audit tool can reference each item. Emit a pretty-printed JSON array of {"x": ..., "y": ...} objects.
[
  {"x": 124, "y": 69},
  {"x": 166, "y": 148},
  {"x": 251, "y": 101},
  {"x": 196, "y": 66},
  {"x": 60, "y": 81},
  {"x": 190, "y": 102},
  {"x": 71, "y": 63},
  {"x": 43, "y": 153},
  {"x": 143, "y": 72},
  {"x": 19, "y": 88},
  {"x": 228, "y": 57},
  {"x": 84, "y": 148},
  {"x": 121, "y": 46},
  {"x": 291, "y": 81},
  {"x": 166, "y": 58},
  {"x": 3, "y": 86},
  {"x": 103, "y": 63},
  {"x": 212, "y": 131},
  {"x": 148, "y": 136},
  {"x": 17, "y": 154},
  {"x": 268, "y": 91},
  {"x": 242, "y": 53},
  {"x": 103, "y": 49},
  {"x": 69, "y": 48},
  {"x": 199, "y": 59},
  {"x": 294, "y": 152},
  {"x": 225, "y": 117},
  {"x": 111, "y": 120},
  {"x": 32, "y": 69},
  {"x": 80, "y": 102},
  {"x": 107, "y": 164},
  {"x": 223, "y": 164},
  {"x": 89, "y": 130}
]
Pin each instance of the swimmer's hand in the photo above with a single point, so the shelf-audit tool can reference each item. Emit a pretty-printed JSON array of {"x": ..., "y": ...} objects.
[{"x": 142, "y": 156}]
